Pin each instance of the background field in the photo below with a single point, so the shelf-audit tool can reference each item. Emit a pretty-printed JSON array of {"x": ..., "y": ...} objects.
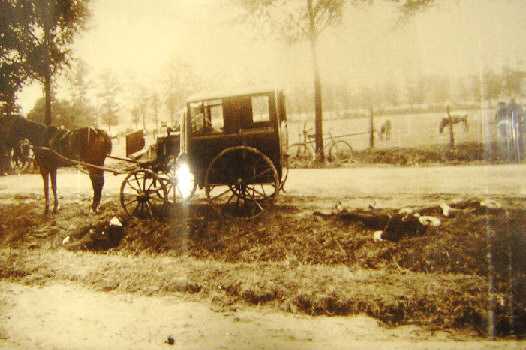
[{"x": 408, "y": 130}]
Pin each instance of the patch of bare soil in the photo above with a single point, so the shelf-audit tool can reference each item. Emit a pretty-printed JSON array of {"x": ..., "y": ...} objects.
[{"x": 289, "y": 260}]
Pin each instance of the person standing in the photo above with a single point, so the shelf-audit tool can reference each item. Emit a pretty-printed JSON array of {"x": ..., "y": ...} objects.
[
  {"x": 504, "y": 126},
  {"x": 514, "y": 115}
]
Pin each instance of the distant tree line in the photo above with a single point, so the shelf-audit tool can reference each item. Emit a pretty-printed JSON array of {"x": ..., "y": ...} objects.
[{"x": 431, "y": 90}]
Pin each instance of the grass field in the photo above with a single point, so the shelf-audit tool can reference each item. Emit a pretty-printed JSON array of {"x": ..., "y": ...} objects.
[{"x": 408, "y": 130}]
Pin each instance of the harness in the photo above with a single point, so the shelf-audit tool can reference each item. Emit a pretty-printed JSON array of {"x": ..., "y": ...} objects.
[{"x": 60, "y": 141}]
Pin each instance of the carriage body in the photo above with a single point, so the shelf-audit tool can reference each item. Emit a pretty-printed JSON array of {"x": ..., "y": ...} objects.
[
  {"x": 213, "y": 123},
  {"x": 233, "y": 145}
]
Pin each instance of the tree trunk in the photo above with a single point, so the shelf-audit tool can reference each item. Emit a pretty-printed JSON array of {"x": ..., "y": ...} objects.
[
  {"x": 318, "y": 111},
  {"x": 47, "y": 96},
  {"x": 47, "y": 72}
]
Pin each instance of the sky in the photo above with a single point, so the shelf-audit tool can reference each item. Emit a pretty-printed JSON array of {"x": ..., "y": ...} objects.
[{"x": 139, "y": 37}]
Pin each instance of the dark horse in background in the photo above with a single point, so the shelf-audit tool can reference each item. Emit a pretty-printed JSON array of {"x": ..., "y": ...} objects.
[
  {"x": 455, "y": 119},
  {"x": 58, "y": 147}
]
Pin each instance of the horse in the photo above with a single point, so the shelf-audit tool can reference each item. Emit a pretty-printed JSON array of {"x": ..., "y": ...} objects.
[
  {"x": 445, "y": 122},
  {"x": 55, "y": 147},
  {"x": 385, "y": 129}
]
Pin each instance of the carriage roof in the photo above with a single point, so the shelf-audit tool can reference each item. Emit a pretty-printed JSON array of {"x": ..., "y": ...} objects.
[{"x": 219, "y": 94}]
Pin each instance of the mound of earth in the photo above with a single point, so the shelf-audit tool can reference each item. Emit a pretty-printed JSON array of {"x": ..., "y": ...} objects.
[{"x": 289, "y": 259}]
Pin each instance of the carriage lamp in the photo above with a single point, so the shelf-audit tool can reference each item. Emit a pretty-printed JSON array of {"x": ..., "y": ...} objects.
[{"x": 185, "y": 180}]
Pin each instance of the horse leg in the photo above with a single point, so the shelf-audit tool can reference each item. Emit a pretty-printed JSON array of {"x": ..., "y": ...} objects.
[
  {"x": 45, "y": 178},
  {"x": 97, "y": 183},
  {"x": 53, "y": 175}
]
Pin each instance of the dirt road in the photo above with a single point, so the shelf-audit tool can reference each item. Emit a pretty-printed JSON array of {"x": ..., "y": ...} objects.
[
  {"x": 65, "y": 316},
  {"x": 61, "y": 315},
  {"x": 354, "y": 181}
]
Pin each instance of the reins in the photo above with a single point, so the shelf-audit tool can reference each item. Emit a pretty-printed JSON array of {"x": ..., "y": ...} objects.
[{"x": 77, "y": 163}]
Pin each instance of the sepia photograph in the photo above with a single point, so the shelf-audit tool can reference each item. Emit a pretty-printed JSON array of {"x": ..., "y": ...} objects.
[{"x": 262, "y": 174}]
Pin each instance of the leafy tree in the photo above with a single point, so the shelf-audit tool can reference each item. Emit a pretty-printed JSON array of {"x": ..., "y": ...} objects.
[
  {"x": 367, "y": 97},
  {"x": 416, "y": 91},
  {"x": 142, "y": 101},
  {"x": 512, "y": 80},
  {"x": 155, "y": 102},
  {"x": 307, "y": 20},
  {"x": 439, "y": 89},
  {"x": 14, "y": 43},
  {"x": 36, "y": 39},
  {"x": 139, "y": 95},
  {"x": 300, "y": 20},
  {"x": 78, "y": 85},
  {"x": 78, "y": 88},
  {"x": 109, "y": 107},
  {"x": 489, "y": 86},
  {"x": 463, "y": 90},
  {"x": 390, "y": 93},
  {"x": 179, "y": 83},
  {"x": 64, "y": 113},
  {"x": 135, "y": 117}
]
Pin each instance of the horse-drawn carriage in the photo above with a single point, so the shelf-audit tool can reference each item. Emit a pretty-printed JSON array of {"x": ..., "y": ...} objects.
[{"x": 231, "y": 145}]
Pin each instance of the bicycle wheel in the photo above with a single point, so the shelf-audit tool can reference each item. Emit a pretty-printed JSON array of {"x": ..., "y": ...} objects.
[
  {"x": 341, "y": 152},
  {"x": 299, "y": 153}
]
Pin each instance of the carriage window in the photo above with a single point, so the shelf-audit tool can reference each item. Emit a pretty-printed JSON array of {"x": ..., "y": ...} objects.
[
  {"x": 207, "y": 117},
  {"x": 260, "y": 109},
  {"x": 216, "y": 116},
  {"x": 196, "y": 117}
]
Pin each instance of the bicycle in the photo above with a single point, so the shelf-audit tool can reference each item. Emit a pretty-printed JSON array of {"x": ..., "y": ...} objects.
[{"x": 339, "y": 151}]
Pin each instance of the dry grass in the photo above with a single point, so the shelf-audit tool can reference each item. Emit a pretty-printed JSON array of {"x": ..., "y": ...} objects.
[{"x": 289, "y": 260}]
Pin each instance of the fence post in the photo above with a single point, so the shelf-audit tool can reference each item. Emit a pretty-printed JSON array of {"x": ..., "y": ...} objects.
[
  {"x": 371, "y": 123},
  {"x": 451, "y": 135}
]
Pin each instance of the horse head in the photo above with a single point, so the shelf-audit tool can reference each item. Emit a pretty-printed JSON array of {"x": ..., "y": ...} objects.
[{"x": 23, "y": 128}]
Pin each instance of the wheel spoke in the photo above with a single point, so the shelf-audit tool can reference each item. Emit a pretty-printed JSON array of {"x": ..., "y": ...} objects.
[
  {"x": 132, "y": 186},
  {"x": 148, "y": 206},
  {"x": 152, "y": 183},
  {"x": 222, "y": 193},
  {"x": 254, "y": 200},
  {"x": 268, "y": 170},
  {"x": 132, "y": 199},
  {"x": 139, "y": 205},
  {"x": 137, "y": 180},
  {"x": 255, "y": 191}
]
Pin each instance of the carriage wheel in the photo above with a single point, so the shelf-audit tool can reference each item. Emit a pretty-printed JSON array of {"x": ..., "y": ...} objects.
[
  {"x": 176, "y": 190},
  {"x": 341, "y": 152},
  {"x": 299, "y": 152},
  {"x": 241, "y": 182},
  {"x": 144, "y": 194}
]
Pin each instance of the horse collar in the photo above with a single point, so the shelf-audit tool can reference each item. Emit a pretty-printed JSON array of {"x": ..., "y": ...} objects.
[{"x": 58, "y": 136}]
